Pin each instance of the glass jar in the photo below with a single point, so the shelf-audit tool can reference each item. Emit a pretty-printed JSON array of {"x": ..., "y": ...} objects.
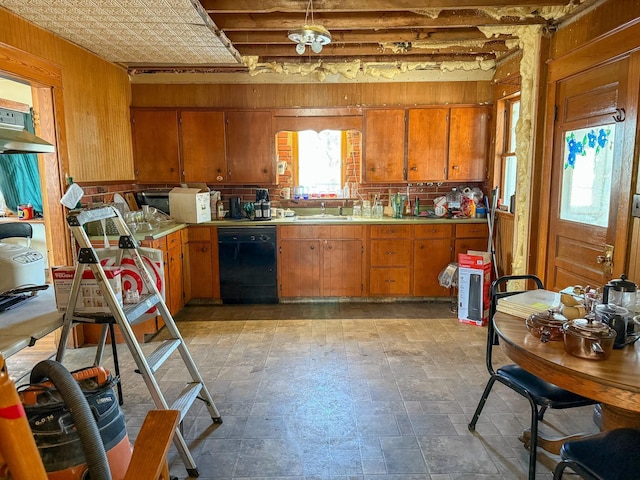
[
  {"x": 357, "y": 209},
  {"x": 366, "y": 209}
]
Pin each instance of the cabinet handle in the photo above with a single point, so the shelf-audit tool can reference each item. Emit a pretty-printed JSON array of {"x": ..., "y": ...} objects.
[
  {"x": 172, "y": 169},
  {"x": 390, "y": 253},
  {"x": 219, "y": 170},
  {"x": 390, "y": 281},
  {"x": 455, "y": 167},
  {"x": 312, "y": 247},
  {"x": 421, "y": 246},
  {"x": 264, "y": 170},
  {"x": 330, "y": 247},
  {"x": 204, "y": 249},
  {"x": 414, "y": 169}
]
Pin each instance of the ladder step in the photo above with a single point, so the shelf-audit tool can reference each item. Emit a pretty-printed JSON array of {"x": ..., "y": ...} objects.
[
  {"x": 134, "y": 311},
  {"x": 186, "y": 398},
  {"x": 160, "y": 354},
  {"x": 77, "y": 218}
]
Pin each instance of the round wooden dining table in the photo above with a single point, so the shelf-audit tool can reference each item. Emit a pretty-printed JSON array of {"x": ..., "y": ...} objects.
[{"x": 614, "y": 382}]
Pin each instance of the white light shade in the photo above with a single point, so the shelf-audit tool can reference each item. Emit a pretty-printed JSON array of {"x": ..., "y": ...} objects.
[
  {"x": 316, "y": 46},
  {"x": 300, "y": 48}
]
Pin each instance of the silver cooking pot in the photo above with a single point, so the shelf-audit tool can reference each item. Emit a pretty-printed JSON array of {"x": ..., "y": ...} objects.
[{"x": 590, "y": 339}]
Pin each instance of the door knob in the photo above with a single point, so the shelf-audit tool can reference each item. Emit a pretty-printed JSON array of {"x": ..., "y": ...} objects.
[{"x": 606, "y": 260}]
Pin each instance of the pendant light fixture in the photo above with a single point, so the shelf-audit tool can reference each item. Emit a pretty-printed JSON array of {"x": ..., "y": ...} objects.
[{"x": 316, "y": 36}]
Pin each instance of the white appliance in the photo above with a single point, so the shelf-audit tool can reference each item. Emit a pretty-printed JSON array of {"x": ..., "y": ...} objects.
[{"x": 20, "y": 265}]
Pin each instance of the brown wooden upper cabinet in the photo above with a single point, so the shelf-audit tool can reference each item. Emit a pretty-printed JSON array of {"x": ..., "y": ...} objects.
[
  {"x": 250, "y": 150},
  {"x": 203, "y": 146},
  {"x": 384, "y": 145},
  {"x": 468, "y": 143},
  {"x": 427, "y": 144},
  {"x": 156, "y": 145},
  {"x": 441, "y": 144}
]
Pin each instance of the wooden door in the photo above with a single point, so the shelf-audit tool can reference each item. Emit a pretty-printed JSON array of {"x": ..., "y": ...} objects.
[
  {"x": 299, "y": 265},
  {"x": 250, "y": 149},
  {"x": 203, "y": 146},
  {"x": 155, "y": 145},
  {"x": 590, "y": 178},
  {"x": 384, "y": 145},
  {"x": 427, "y": 144},
  {"x": 468, "y": 143},
  {"x": 342, "y": 268}
]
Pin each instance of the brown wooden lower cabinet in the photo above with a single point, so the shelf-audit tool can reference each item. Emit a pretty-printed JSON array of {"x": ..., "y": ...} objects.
[
  {"x": 432, "y": 252},
  {"x": 471, "y": 236},
  {"x": 203, "y": 262},
  {"x": 318, "y": 261}
]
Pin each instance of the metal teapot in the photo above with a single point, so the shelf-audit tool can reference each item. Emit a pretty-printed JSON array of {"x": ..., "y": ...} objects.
[{"x": 620, "y": 292}]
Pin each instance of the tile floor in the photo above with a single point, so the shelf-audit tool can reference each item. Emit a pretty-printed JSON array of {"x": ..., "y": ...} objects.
[{"x": 341, "y": 391}]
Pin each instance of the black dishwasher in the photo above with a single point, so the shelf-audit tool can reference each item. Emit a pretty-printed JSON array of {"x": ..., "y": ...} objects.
[{"x": 247, "y": 258}]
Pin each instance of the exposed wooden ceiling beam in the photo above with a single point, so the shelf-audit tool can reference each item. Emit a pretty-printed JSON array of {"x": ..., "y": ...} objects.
[
  {"x": 269, "y": 6},
  {"x": 313, "y": 58},
  {"x": 368, "y": 50},
  {"x": 346, "y": 37},
  {"x": 365, "y": 21}
]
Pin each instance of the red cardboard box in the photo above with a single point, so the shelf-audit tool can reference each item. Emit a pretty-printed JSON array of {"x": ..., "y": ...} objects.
[{"x": 474, "y": 282}]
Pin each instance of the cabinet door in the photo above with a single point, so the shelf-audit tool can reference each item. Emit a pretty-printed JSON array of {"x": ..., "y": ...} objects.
[
  {"x": 427, "y": 144},
  {"x": 203, "y": 153},
  {"x": 299, "y": 261},
  {"x": 176, "y": 295},
  {"x": 155, "y": 145},
  {"x": 342, "y": 268},
  {"x": 468, "y": 143},
  {"x": 203, "y": 262},
  {"x": 431, "y": 256},
  {"x": 250, "y": 149},
  {"x": 384, "y": 146}
]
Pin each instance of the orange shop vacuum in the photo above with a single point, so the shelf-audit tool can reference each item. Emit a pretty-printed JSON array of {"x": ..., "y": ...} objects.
[{"x": 76, "y": 440}]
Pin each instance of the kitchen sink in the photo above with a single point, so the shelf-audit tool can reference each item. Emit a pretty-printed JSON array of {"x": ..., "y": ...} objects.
[{"x": 322, "y": 217}]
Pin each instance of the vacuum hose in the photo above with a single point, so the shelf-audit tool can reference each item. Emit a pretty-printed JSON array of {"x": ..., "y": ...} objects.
[{"x": 83, "y": 419}]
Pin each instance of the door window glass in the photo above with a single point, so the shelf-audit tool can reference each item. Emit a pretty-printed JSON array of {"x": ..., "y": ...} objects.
[{"x": 586, "y": 177}]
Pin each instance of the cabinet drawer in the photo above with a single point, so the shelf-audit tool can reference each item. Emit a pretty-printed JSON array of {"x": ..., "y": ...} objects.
[
  {"x": 200, "y": 234},
  {"x": 173, "y": 239},
  {"x": 389, "y": 253},
  {"x": 472, "y": 230},
  {"x": 303, "y": 232},
  {"x": 391, "y": 231},
  {"x": 435, "y": 230},
  {"x": 389, "y": 281}
]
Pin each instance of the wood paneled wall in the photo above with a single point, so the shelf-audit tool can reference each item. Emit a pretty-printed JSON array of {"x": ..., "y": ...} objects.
[
  {"x": 97, "y": 96},
  {"x": 310, "y": 95},
  {"x": 605, "y": 18}
]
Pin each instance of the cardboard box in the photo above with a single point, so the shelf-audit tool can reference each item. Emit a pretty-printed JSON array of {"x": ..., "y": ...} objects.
[
  {"x": 190, "y": 205},
  {"x": 90, "y": 299},
  {"x": 474, "y": 283}
]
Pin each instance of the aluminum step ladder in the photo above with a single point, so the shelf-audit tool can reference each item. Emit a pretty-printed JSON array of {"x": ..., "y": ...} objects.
[{"x": 126, "y": 316}]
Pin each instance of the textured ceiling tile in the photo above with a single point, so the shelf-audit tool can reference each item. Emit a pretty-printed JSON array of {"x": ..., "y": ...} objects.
[{"x": 130, "y": 31}]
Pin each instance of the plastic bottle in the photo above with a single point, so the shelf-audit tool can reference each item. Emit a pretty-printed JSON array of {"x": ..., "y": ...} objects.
[
  {"x": 454, "y": 200},
  {"x": 416, "y": 207},
  {"x": 219, "y": 209}
]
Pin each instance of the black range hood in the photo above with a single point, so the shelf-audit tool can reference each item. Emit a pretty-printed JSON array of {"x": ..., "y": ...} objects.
[{"x": 15, "y": 139}]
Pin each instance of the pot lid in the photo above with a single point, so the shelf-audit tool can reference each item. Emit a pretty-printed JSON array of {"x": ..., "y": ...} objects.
[
  {"x": 589, "y": 328},
  {"x": 622, "y": 284},
  {"x": 547, "y": 318}
]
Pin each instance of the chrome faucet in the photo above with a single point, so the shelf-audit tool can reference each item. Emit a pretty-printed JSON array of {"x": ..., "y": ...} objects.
[{"x": 322, "y": 207}]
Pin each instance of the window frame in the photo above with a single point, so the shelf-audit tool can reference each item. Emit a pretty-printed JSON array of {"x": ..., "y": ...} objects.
[{"x": 504, "y": 128}]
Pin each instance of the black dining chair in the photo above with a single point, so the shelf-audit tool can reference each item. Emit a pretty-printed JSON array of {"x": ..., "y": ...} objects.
[
  {"x": 16, "y": 230},
  {"x": 610, "y": 455},
  {"x": 540, "y": 394}
]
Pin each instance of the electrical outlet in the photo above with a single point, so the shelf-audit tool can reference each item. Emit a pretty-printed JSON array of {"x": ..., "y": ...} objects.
[{"x": 635, "y": 209}]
